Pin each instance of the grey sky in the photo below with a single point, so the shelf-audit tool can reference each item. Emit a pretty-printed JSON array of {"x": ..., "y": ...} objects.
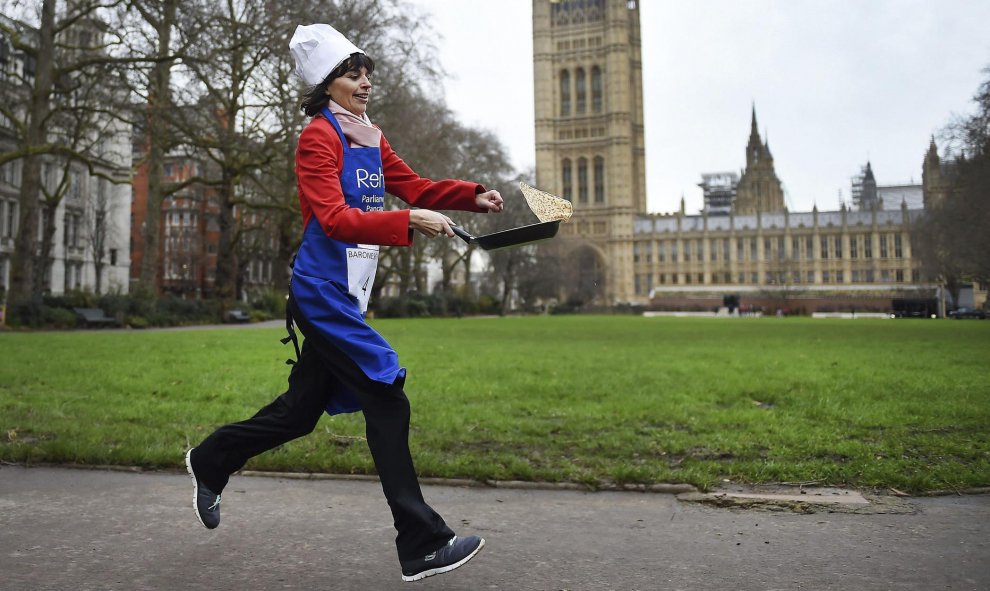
[{"x": 835, "y": 82}]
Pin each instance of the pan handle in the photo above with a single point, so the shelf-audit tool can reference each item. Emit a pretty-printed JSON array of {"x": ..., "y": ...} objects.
[{"x": 462, "y": 233}]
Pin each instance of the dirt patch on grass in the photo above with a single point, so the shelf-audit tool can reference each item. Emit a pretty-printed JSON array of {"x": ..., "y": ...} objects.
[
  {"x": 802, "y": 500},
  {"x": 26, "y": 437}
]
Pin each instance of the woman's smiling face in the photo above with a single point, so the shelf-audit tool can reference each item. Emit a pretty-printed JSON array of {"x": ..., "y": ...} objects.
[{"x": 352, "y": 90}]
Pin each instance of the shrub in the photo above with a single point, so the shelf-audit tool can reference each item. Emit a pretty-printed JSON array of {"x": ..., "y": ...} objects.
[
  {"x": 417, "y": 305},
  {"x": 271, "y": 302},
  {"x": 61, "y": 318},
  {"x": 137, "y": 322},
  {"x": 260, "y": 315},
  {"x": 572, "y": 305},
  {"x": 122, "y": 306},
  {"x": 174, "y": 311},
  {"x": 71, "y": 299},
  {"x": 30, "y": 313},
  {"x": 488, "y": 305}
]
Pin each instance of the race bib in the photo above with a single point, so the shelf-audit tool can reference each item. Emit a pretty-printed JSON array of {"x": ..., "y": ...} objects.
[{"x": 362, "y": 263}]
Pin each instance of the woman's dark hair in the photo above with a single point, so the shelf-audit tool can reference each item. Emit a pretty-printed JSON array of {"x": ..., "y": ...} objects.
[{"x": 316, "y": 97}]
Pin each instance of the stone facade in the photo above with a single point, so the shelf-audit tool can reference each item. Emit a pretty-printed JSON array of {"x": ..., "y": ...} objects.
[
  {"x": 837, "y": 255},
  {"x": 91, "y": 211},
  {"x": 590, "y": 150},
  {"x": 759, "y": 188},
  {"x": 589, "y": 130}
]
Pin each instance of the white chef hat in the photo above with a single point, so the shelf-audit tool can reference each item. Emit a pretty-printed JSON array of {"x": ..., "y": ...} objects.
[{"x": 318, "y": 49}]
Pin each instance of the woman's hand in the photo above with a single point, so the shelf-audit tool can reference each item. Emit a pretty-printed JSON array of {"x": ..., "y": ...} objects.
[
  {"x": 489, "y": 200},
  {"x": 431, "y": 223}
]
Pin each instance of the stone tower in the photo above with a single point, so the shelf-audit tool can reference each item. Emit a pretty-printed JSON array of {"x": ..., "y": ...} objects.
[
  {"x": 759, "y": 188},
  {"x": 589, "y": 131},
  {"x": 870, "y": 197},
  {"x": 864, "y": 192},
  {"x": 937, "y": 176}
]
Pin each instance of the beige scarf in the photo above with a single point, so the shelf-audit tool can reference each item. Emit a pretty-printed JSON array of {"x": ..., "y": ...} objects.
[{"x": 359, "y": 131}]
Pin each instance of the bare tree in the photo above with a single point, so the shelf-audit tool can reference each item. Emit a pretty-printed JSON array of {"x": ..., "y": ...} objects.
[
  {"x": 220, "y": 119},
  {"x": 99, "y": 227},
  {"x": 951, "y": 239},
  {"x": 153, "y": 37},
  {"x": 510, "y": 265},
  {"x": 479, "y": 156},
  {"x": 968, "y": 207},
  {"x": 935, "y": 237},
  {"x": 30, "y": 126},
  {"x": 61, "y": 115}
]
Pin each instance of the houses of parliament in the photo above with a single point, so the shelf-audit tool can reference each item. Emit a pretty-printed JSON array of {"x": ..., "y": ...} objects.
[{"x": 745, "y": 242}]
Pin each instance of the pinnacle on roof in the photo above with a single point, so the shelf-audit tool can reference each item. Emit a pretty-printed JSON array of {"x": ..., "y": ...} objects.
[
  {"x": 868, "y": 173},
  {"x": 932, "y": 154}
]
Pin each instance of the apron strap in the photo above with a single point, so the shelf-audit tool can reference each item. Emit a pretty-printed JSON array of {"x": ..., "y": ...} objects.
[
  {"x": 288, "y": 319},
  {"x": 292, "y": 332}
]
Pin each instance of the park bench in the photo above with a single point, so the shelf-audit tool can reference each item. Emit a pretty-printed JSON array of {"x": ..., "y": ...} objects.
[
  {"x": 90, "y": 317},
  {"x": 238, "y": 316}
]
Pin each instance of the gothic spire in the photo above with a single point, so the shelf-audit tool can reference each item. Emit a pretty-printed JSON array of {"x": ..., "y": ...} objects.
[
  {"x": 754, "y": 150},
  {"x": 932, "y": 155}
]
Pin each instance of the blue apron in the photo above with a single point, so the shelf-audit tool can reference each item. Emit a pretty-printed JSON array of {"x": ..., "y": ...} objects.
[{"x": 332, "y": 280}]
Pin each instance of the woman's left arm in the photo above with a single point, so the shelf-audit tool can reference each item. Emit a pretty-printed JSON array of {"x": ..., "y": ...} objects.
[{"x": 451, "y": 194}]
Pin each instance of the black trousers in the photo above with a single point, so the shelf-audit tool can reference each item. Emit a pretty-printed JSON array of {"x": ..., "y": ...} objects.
[{"x": 321, "y": 369}]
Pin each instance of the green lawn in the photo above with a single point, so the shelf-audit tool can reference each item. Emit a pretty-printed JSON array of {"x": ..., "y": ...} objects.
[{"x": 608, "y": 399}]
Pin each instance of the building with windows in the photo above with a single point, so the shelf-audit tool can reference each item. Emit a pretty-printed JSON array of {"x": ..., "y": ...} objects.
[
  {"x": 189, "y": 231},
  {"x": 589, "y": 132},
  {"x": 590, "y": 150},
  {"x": 89, "y": 244},
  {"x": 805, "y": 262}
]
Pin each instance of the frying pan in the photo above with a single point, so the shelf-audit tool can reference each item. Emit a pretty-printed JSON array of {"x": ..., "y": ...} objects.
[{"x": 510, "y": 237}]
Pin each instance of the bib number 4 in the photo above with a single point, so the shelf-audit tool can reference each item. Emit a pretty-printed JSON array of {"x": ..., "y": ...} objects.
[{"x": 362, "y": 264}]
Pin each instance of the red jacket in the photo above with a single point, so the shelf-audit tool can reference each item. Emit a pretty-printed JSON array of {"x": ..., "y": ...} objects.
[{"x": 319, "y": 158}]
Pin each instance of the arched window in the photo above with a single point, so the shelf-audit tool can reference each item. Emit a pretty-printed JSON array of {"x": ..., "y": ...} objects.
[
  {"x": 567, "y": 181},
  {"x": 582, "y": 180},
  {"x": 596, "y": 89},
  {"x": 580, "y": 91},
  {"x": 565, "y": 93},
  {"x": 599, "y": 179}
]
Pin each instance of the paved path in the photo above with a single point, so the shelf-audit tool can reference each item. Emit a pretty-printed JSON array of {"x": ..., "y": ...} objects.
[{"x": 83, "y": 529}]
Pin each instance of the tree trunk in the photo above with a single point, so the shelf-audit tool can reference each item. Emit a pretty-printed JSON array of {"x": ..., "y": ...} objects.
[
  {"x": 281, "y": 271},
  {"x": 23, "y": 278},
  {"x": 150, "y": 259},
  {"x": 468, "y": 288},
  {"x": 405, "y": 271},
  {"x": 508, "y": 279},
  {"x": 288, "y": 225},
  {"x": 98, "y": 239},
  {"x": 160, "y": 94},
  {"x": 43, "y": 264},
  {"x": 226, "y": 282},
  {"x": 419, "y": 269}
]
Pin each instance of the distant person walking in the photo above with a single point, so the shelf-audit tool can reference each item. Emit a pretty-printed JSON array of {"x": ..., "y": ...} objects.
[{"x": 344, "y": 166}]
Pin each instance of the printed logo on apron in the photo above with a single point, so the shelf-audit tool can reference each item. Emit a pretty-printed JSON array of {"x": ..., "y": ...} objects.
[{"x": 363, "y": 184}]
